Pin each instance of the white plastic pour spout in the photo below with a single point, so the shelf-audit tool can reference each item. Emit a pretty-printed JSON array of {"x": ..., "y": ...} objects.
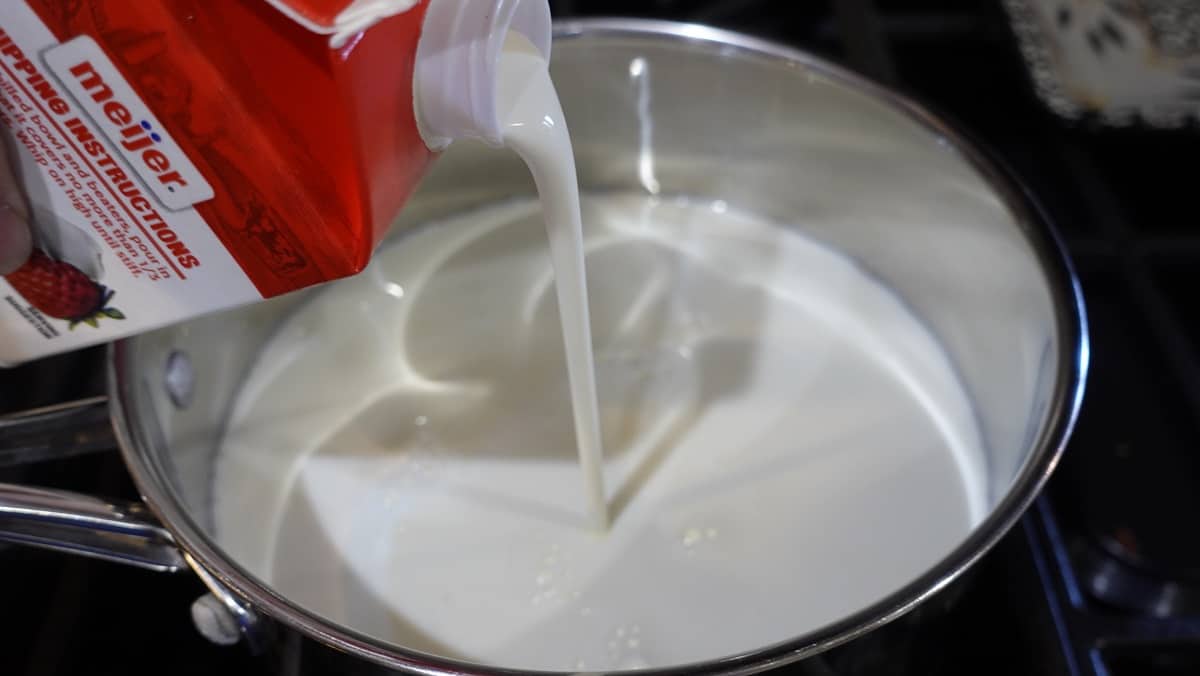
[{"x": 454, "y": 79}]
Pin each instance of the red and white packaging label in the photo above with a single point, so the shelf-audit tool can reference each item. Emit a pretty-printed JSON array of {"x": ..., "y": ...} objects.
[{"x": 111, "y": 195}]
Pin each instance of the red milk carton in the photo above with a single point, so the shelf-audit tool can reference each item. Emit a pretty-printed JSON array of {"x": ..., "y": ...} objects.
[{"x": 183, "y": 156}]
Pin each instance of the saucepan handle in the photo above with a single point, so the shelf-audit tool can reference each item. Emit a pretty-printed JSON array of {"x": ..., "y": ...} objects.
[
  {"x": 55, "y": 432},
  {"x": 118, "y": 531},
  {"x": 72, "y": 522},
  {"x": 81, "y": 524},
  {"x": 122, "y": 532}
]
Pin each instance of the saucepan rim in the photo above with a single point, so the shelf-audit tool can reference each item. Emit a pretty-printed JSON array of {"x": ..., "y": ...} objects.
[{"x": 1063, "y": 407}]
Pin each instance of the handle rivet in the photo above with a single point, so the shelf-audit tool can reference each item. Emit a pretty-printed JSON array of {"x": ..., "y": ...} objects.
[
  {"x": 179, "y": 379},
  {"x": 214, "y": 621}
]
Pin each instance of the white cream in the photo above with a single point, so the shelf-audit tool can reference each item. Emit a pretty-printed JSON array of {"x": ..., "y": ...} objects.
[
  {"x": 786, "y": 443},
  {"x": 536, "y": 129}
]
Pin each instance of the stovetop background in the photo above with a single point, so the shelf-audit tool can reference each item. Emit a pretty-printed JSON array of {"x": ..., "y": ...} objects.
[{"x": 1102, "y": 577}]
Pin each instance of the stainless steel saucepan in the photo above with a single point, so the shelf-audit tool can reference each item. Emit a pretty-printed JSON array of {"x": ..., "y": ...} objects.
[{"x": 677, "y": 110}]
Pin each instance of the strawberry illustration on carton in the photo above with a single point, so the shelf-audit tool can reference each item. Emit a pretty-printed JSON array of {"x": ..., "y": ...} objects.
[{"x": 61, "y": 290}]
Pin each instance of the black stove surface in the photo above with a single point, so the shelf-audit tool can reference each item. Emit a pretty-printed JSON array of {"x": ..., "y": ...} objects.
[{"x": 1102, "y": 577}]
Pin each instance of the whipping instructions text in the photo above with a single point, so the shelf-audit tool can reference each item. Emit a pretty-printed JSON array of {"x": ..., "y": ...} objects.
[{"x": 99, "y": 187}]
